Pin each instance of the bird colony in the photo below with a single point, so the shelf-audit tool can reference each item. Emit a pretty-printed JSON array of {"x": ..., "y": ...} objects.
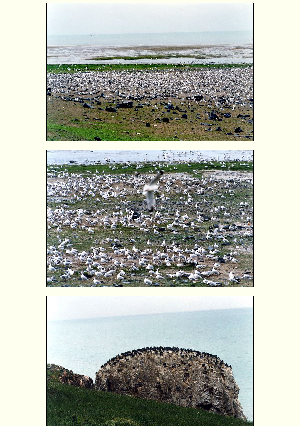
[
  {"x": 154, "y": 229},
  {"x": 231, "y": 86}
]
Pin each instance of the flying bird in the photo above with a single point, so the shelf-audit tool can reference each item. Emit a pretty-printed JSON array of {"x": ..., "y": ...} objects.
[{"x": 149, "y": 191}]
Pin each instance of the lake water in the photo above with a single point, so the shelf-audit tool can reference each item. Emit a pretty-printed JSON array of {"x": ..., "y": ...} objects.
[
  {"x": 60, "y": 157},
  {"x": 84, "y": 345},
  {"x": 211, "y": 46}
]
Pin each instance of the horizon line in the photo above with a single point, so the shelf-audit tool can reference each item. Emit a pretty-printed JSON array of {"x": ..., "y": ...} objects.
[
  {"x": 157, "y": 32},
  {"x": 153, "y": 313}
]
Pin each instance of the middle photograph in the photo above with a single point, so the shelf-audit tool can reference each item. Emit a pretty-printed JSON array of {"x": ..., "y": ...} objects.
[{"x": 149, "y": 218}]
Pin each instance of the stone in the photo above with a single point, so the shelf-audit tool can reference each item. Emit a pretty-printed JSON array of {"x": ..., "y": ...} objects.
[
  {"x": 68, "y": 377},
  {"x": 184, "y": 116},
  {"x": 238, "y": 130},
  {"x": 128, "y": 104},
  {"x": 85, "y": 105},
  {"x": 243, "y": 116},
  {"x": 135, "y": 215},
  {"x": 213, "y": 116},
  {"x": 177, "y": 376},
  {"x": 165, "y": 120},
  {"x": 110, "y": 109}
]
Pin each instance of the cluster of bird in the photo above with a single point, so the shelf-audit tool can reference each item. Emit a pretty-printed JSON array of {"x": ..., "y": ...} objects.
[
  {"x": 127, "y": 202},
  {"x": 162, "y": 350},
  {"x": 232, "y": 86}
]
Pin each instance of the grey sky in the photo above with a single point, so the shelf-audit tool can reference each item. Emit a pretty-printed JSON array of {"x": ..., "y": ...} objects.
[
  {"x": 73, "y": 307},
  {"x": 113, "y": 18}
]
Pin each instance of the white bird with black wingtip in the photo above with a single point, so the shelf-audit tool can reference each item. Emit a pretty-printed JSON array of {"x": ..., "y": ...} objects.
[{"x": 149, "y": 191}]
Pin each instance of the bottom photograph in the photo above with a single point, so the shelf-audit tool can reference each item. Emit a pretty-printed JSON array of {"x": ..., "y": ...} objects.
[{"x": 149, "y": 360}]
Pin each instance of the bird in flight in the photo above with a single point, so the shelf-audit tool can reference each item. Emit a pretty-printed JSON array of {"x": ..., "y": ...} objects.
[{"x": 149, "y": 191}]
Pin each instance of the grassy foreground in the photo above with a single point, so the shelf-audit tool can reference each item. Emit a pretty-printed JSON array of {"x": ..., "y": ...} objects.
[{"x": 69, "y": 406}]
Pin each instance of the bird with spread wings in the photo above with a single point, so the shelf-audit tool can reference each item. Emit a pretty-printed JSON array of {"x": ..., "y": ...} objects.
[{"x": 149, "y": 191}]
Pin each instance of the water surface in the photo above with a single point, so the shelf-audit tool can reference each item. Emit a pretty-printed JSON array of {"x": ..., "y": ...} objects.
[
  {"x": 60, "y": 157},
  {"x": 199, "y": 47}
]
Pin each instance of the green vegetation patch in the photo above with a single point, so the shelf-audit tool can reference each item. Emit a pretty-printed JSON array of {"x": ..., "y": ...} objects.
[
  {"x": 71, "y": 68},
  {"x": 147, "y": 167}
]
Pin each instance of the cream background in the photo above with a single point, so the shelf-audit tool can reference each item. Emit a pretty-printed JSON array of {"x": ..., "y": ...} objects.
[{"x": 23, "y": 211}]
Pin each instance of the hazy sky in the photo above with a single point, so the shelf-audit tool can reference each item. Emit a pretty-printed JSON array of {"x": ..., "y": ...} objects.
[
  {"x": 114, "y": 18},
  {"x": 73, "y": 307}
]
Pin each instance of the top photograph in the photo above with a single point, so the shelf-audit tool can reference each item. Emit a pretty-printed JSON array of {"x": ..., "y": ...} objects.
[{"x": 141, "y": 71}]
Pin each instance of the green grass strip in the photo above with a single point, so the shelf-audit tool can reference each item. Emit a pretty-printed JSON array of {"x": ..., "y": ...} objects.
[{"x": 71, "y": 68}]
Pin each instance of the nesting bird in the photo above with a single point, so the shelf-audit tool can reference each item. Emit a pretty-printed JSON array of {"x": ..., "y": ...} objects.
[{"x": 149, "y": 191}]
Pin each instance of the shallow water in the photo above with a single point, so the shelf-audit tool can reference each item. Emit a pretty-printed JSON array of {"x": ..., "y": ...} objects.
[
  {"x": 84, "y": 345},
  {"x": 123, "y": 156},
  {"x": 214, "y": 47}
]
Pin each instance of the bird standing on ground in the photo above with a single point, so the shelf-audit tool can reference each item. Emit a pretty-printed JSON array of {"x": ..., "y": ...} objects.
[{"x": 149, "y": 191}]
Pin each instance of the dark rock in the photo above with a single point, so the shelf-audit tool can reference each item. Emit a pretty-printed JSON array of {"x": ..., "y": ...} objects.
[
  {"x": 85, "y": 105},
  {"x": 128, "y": 104},
  {"x": 222, "y": 100},
  {"x": 198, "y": 97},
  {"x": 96, "y": 138},
  {"x": 238, "y": 130},
  {"x": 165, "y": 120},
  {"x": 48, "y": 91},
  {"x": 169, "y": 106},
  {"x": 110, "y": 109},
  {"x": 218, "y": 129},
  {"x": 227, "y": 115},
  {"x": 147, "y": 124},
  {"x": 135, "y": 215},
  {"x": 184, "y": 116},
  {"x": 214, "y": 116}
]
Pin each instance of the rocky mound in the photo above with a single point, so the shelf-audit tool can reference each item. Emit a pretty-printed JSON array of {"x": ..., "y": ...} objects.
[
  {"x": 68, "y": 377},
  {"x": 179, "y": 376}
]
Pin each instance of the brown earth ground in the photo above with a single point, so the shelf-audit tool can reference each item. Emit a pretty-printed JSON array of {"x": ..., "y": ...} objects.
[{"x": 188, "y": 120}]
